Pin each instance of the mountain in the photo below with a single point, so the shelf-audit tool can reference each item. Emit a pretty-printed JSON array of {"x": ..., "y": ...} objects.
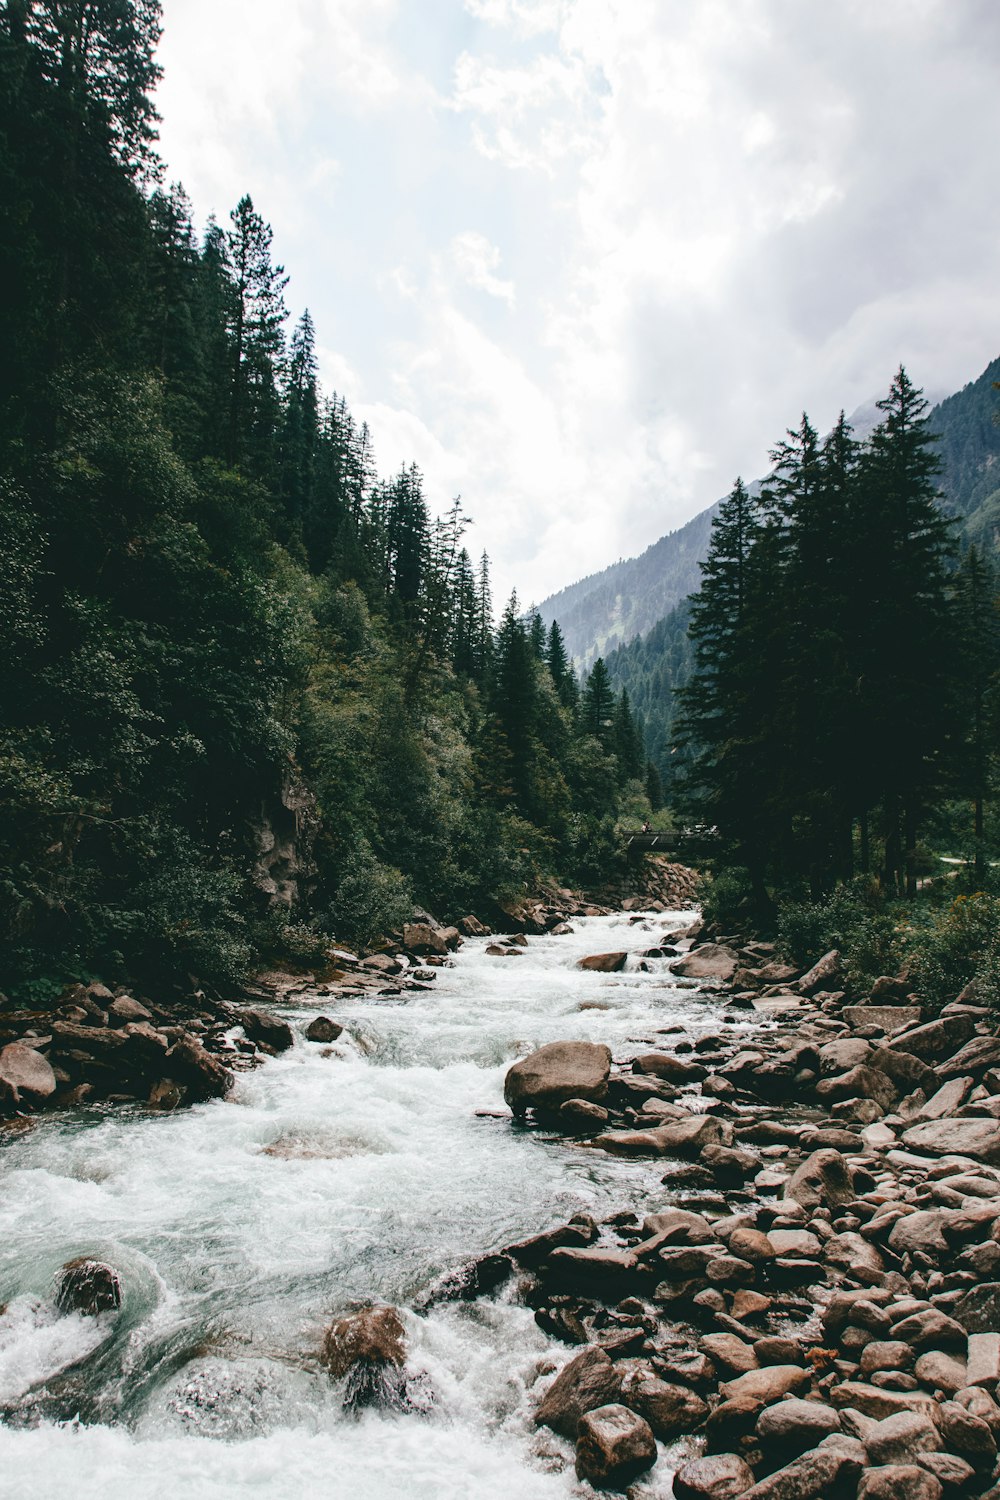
[{"x": 608, "y": 610}]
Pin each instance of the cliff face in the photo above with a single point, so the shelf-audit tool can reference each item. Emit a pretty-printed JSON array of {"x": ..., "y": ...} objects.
[{"x": 283, "y": 837}]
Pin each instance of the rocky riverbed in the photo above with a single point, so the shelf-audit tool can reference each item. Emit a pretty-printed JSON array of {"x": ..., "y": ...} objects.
[{"x": 823, "y": 1312}]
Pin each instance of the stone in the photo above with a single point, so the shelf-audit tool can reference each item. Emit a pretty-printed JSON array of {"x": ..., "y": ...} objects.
[
  {"x": 587, "y": 1382},
  {"x": 604, "y": 963},
  {"x": 979, "y": 1139},
  {"x": 858, "y": 1083},
  {"x": 711, "y": 961},
  {"x": 792, "y": 1426},
  {"x": 885, "y": 1354},
  {"x": 421, "y": 938},
  {"x": 673, "y": 1069},
  {"x": 873, "y": 1401},
  {"x": 921, "y": 1231},
  {"x": 202, "y": 1075},
  {"x": 753, "y": 1245},
  {"x": 935, "y": 1039},
  {"x": 599, "y": 1262},
  {"x": 983, "y": 1366},
  {"x": 559, "y": 1071},
  {"x": 885, "y": 1017},
  {"x": 846, "y": 1052},
  {"x": 952, "y": 1472},
  {"x": 25, "y": 1074},
  {"x": 322, "y": 1029},
  {"x": 906, "y": 1071},
  {"x": 941, "y": 1372},
  {"x": 981, "y": 1404},
  {"x": 733, "y": 1355},
  {"x": 368, "y": 1350},
  {"x": 899, "y": 1482},
  {"x": 967, "y": 1435},
  {"x": 776, "y": 1350},
  {"x": 720, "y": 1476},
  {"x": 261, "y": 1026},
  {"x": 821, "y": 1181},
  {"x": 126, "y": 1009},
  {"x": 850, "y": 1252},
  {"x": 88, "y": 1286},
  {"x": 824, "y": 975},
  {"x": 900, "y": 1438},
  {"x": 671, "y": 1410},
  {"x": 613, "y": 1445},
  {"x": 473, "y": 927},
  {"x": 766, "y": 1385},
  {"x": 813, "y": 1474},
  {"x": 797, "y": 1243},
  {"x": 946, "y": 1100},
  {"x": 729, "y": 1165},
  {"x": 978, "y": 1310},
  {"x": 930, "y": 1329},
  {"x": 976, "y": 1057},
  {"x": 679, "y": 1138},
  {"x": 165, "y": 1094},
  {"x": 580, "y": 1114}
]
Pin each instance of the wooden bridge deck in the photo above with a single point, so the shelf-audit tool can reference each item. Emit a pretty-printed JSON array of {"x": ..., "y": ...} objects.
[{"x": 686, "y": 841}]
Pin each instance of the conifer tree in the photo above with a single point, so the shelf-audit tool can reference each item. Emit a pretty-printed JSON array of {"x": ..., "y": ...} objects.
[{"x": 257, "y": 340}]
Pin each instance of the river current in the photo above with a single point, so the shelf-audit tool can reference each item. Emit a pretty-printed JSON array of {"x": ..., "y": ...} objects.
[{"x": 333, "y": 1176}]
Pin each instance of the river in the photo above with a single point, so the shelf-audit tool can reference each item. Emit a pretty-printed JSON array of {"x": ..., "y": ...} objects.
[{"x": 332, "y": 1176}]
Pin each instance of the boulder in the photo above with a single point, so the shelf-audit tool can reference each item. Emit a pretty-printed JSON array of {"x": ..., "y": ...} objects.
[
  {"x": 975, "y": 1057},
  {"x": 559, "y": 1071},
  {"x": 906, "y": 1071},
  {"x": 204, "y": 1077},
  {"x": 815, "y": 1473},
  {"x": 733, "y": 1355},
  {"x": 613, "y": 1445},
  {"x": 978, "y": 1138},
  {"x": 858, "y": 1083},
  {"x": 89, "y": 1287},
  {"x": 941, "y": 1372},
  {"x": 766, "y": 1385},
  {"x": 930, "y": 1329},
  {"x": 899, "y": 1482},
  {"x": 684, "y": 1137},
  {"x": 846, "y": 1052},
  {"x": 711, "y": 961},
  {"x": 952, "y": 1472},
  {"x": 885, "y": 1017},
  {"x": 671, "y": 1410},
  {"x": 126, "y": 1009},
  {"x": 824, "y": 975},
  {"x": 821, "y": 1181},
  {"x": 472, "y": 927},
  {"x": 900, "y": 1438},
  {"x": 967, "y": 1435},
  {"x": 978, "y": 1310},
  {"x": 983, "y": 1367},
  {"x": 25, "y": 1074},
  {"x": 722, "y": 1476},
  {"x": 261, "y": 1026},
  {"x": 604, "y": 963},
  {"x": 369, "y": 1350},
  {"x": 874, "y": 1401},
  {"x": 587, "y": 1382},
  {"x": 422, "y": 938},
  {"x": 923, "y": 1231},
  {"x": 791, "y": 1427},
  {"x": 579, "y": 1114},
  {"x": 935, "y": 1039},
  {"x": 885, "y": 1354},
  {"x": 673, "y": 1069},
  {"x": 751, "y": 1244},
  {"x": 322, "y": 1029},
  {"x": 947, "y": 1099}
]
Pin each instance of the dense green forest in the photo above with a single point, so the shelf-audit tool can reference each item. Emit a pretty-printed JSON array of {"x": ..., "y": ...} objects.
[{"x": 251, "y": 693}]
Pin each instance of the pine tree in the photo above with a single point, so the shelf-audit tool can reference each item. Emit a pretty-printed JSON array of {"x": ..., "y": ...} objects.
[
  {"x": 597, "y": 705},
  {"x": 257, "y": 340},
  {"x": 301, "y": 431}
]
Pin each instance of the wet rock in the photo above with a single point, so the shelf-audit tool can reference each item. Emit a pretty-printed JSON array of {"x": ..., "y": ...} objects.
[
  {"x": 587, "y": 1382},
  {"x": 733, "y": 1355},
  {"x": 899, "y": 1482},
  {"x": 872, "y": 1401},
  {"x": 722, "y": 1476},
  {"x": 613, "y": 1445},
  {"x": 766, "y": 1385},
  {"x": 823, "y": 975},
  {"x": 885, "y": 1354},
  {"x": 935, "y": 1039},
  {"x": 813, "y": 1474},
  {"x": 791, "y": 1427},
  {"x": 679, "y": 1138},
  {"x": 579, "y": 1114},
  {"x": 89, "y": 1287},
  {"x": 957, "y": 1137},
  {"x": 671, "y": 1410},
  {"x": 126, "y": 1009},
  {"x": 898, "y": 1439},
  {"x": 322, "y": 1029},
  {"x": 966, "y": 1434},
  {"x": 858, "y": 1083},
  {"x": 822, "y": 1181},
  {"x": 978, "y": 1310},
  {"x": 422, "y": 938},
  {"x": 711, "y": 961},
  {"x": 729, "y": 1165},
  {"x": 930, "y": 1329},
  {"x": 941, "y": 1372},
  {"x": 25, "y": 1074},
  {"x": 261, "y": 1026},
  {"x": 368, "y": 1349},
  {"x": 921, "y": 1231},
  {"x": 673, "y": 1069},
  {"x": 533, "y": 1251},
  {"x": 165, "y": 1094},
  {"x": 604, "y": 963},
  {"x": 952, "y": 1472},
  {"x": 557, "y": 1072},
  {"x": 473, "y": 927},
  {"x": 202, "y": 1075}
]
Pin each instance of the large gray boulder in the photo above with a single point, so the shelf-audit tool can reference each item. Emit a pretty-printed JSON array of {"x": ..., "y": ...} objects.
[
  {"x": 26, "y": 1073},
  {"x": 557, "y": 1072},
  {"x": 957, "y": 1137},
  {"x": 936, "y": 1039},
  {"x": 587, "y": 1382},
  {"x": 604, "y": 963},
  {"x": 821, "y": 1181},
  {"x": 613, "y": 1445},
  {"x": 710, "y": 961},
  {"x": 720, "y": 1476}
]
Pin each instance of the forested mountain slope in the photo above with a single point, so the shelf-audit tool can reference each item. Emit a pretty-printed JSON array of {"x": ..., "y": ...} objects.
[{"x": 609, "y": 609}]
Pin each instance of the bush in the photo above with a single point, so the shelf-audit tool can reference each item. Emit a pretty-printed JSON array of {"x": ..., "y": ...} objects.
[
  {"x": 728, "y": 900},
  {"x": 808, "y": 929},
  {"x": 960, "y": 945},
  {"x": 371, "y": 898}
]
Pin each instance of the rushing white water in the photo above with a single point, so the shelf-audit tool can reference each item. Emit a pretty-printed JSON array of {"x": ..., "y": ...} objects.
[{"x": 333, "y": 1176}]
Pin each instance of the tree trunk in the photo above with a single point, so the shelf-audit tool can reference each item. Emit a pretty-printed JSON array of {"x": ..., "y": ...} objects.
[{"x": 910, "y": 826}]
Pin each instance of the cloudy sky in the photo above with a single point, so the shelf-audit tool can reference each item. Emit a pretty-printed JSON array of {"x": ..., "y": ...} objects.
[{"x": 584, "y": 260}]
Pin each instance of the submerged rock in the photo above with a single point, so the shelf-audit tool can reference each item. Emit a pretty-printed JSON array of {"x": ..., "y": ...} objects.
[
  {"x": 368, "y": 1351},
  {"x": 89, "y": 1287}
]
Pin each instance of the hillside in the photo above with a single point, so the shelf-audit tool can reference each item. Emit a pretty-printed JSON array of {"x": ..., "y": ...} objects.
[{"x": 609, "y": 609}]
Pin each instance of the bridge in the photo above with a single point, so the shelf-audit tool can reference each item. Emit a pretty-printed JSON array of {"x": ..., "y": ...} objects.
[{"x": 686, "y": 842}]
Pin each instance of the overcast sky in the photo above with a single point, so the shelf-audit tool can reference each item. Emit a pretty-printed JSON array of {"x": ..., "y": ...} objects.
[{"x": 584, "y": 260}]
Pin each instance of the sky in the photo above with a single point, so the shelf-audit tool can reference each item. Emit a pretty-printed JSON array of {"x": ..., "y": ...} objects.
[{"x": 584, "y": 261}]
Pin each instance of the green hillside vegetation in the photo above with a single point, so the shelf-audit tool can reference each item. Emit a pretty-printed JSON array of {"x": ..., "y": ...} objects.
[{"x": 251, "y": 692}]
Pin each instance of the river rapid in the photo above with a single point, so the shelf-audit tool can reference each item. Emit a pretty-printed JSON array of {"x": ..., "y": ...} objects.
[{"x": 333, "y": 1176}]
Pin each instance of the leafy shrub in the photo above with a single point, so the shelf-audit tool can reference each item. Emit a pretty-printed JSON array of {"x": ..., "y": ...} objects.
[
  {"x": 960, "y": 945},
  {"x": 808, "y": 929},
  {"x": 728, "y": 899},
  {"x": 371, "y": 898}
]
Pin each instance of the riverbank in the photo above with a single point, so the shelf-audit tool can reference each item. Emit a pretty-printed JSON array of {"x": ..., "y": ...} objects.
[{"x": 823, "y": 1310}]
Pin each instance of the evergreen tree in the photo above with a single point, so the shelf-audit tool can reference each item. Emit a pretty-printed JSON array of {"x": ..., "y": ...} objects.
[
  {"x": 257, "y": 340},
  {"x": 597, "y": 705}
]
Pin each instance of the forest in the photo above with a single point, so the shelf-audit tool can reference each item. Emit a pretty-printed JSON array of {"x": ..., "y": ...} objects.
[{"x": 252, "y": 694}]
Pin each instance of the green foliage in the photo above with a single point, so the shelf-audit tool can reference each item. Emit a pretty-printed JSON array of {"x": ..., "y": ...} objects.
[
  {"x": 959, "y": 945},
  {"x": 370, "y": 898}
]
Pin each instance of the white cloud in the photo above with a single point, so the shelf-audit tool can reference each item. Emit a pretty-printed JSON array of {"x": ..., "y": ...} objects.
[{"x": 477, "y": 262}]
